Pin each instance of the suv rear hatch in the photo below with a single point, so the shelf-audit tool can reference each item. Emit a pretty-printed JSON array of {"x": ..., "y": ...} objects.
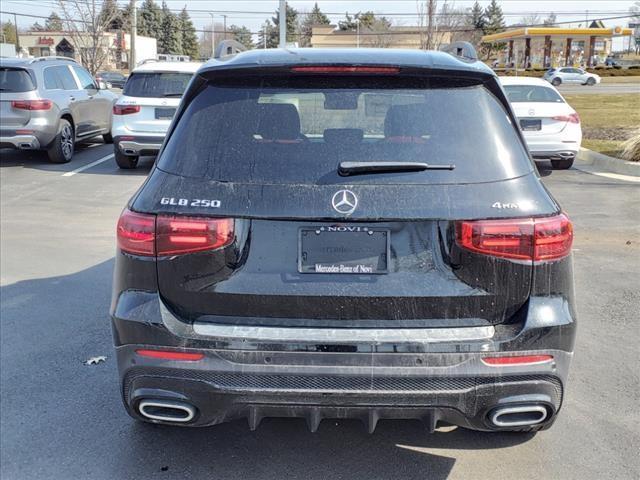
[
  {"x": 297, "y": 243},
  {"x": 16, "y": 85},
  {"x": 157, "y": 94}
]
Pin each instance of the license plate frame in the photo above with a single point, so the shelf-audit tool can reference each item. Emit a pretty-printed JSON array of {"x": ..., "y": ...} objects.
[
  {"x": 162, "y": 113},
  {"x": 531, "y": 124},
  {"x": 344, "y": 250}
]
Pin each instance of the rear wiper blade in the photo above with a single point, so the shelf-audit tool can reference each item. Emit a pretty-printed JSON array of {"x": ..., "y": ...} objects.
[
  {"x": 176, "y": 94},
  {"x": 360, "y": 168}
]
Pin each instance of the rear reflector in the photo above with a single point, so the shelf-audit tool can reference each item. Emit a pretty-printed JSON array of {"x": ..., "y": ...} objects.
[
  {"x": 179, "y": 235},
  {"x": 519, "y": 360},
  {"x": 345, "y": 69},
  {"x": 537, "y": 239},
  {"x": 171, "y": 355},
  {"x": 32, "y": 104},
  {"x": 573, "y": 118},
  {"x": 125, "y": 109},
  {"x": 137, "y": 233},
  {"x": 144, "y": 234}
]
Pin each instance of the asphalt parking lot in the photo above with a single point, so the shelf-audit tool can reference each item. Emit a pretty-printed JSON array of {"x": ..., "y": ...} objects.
[{"x": 63, "y": 419}]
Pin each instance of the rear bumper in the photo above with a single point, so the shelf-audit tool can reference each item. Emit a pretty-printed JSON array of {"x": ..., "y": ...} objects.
[
  {"x": 431, "y": 376},
  {"x": 21, "y": 142},
  {"x": 135, "y": 145}
]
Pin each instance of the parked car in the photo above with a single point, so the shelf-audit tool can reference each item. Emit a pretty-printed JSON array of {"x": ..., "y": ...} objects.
[
  {"x": 330, "y": 233},
  {"x": 570, "y": 75},
  {"x": 549, "y": 124},
  {"x": 143, "y": 113},
  {"x": 116, "y": 79},
  {"x": 50, "y": 103}
]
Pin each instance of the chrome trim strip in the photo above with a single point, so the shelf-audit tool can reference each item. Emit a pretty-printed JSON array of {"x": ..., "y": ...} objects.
[{"x": 344, "y": 335}]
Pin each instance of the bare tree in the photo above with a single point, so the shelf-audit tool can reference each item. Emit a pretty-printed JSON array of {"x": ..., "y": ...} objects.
[
  {"x": 426, "y": 20},
  {"x": 86, "y": 23},
  {"x": 533, "y": 19},
  {"x": 435, "y": 26},
  {"x": 381, "y": 37}
]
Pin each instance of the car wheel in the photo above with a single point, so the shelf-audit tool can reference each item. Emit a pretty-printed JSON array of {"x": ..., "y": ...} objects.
[
  {"x": 125, "y": 161},
  {"x": 591, "y": 81},
  {"x": 61, "y": 150},
  {"x": 562, "y": 164},
  {"x": 556, "y": 81},
  {"x": 107, "y": 137}
]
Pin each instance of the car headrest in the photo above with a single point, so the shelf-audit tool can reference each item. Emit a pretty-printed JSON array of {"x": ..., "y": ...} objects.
[
  {"x": 279, "y": 121},
  {"x": 339, "y": 136},
  {"x": 405, "y": 121}
]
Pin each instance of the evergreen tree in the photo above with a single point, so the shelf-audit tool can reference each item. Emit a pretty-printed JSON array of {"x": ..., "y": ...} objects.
[
  {"x": 268, "y": 36},
  {"x": 189, "y": 38},
  {"x": 110, "y": 15},
  {"x": 9, "y": 32},
  {"x": 315, "y": 17},
  {"x": 495, "y": 18},
  {"x": 170, "y": 38},
  {"x": 476, "y": 18},
  {"x": 149, "y": 19},
  {"x": 53, "y": 23},
  {"x": 36, "y": 27},
  {"x": 365, "y": 19},
  {"x": 243, "y": 35}
]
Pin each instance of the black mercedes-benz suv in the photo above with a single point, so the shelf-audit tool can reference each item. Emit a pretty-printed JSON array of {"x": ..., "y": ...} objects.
[{"x": 344, "y": 233}]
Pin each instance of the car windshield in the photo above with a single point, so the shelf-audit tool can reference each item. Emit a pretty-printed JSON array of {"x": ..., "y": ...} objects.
[
  {"x": 288, "y": 131},
  {"x": 15, "y": 80},
  {"x": 532, "y": 93},
  {"x": 156, "y": 84}
]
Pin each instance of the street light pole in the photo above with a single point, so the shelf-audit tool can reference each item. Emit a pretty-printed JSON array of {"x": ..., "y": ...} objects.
[
  {"x": 134, "y": 31},
  {"x": 283, "y": 23},
  {"x": 225, "y": 26},
  {"x": 213, "y": 37}
]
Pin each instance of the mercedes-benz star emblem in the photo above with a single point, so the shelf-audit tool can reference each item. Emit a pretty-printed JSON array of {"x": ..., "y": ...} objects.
[
  {"x": 532, "y": 112},
  {"x": 344, "y": 201}
]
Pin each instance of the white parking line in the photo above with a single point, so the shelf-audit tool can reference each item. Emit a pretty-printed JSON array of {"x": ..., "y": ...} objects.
[{"x": 89, "y": 165}]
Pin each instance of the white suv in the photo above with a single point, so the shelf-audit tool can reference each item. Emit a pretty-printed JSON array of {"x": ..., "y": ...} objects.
[{"x": 142, "y": 115}]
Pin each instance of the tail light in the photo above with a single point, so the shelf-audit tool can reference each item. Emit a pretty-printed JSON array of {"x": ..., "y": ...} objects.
[
  {"x": 125, "y": 109},
  {"x": 344, "y": 69},
  {"x": 572, "y": 118},
  {"x": 148, "y": 235},
  {"x": 32, "y": 104},
  {"x": 537, "y": 239}
]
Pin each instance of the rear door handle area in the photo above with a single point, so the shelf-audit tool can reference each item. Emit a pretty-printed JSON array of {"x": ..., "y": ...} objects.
[{"x": 72, "y": 98}]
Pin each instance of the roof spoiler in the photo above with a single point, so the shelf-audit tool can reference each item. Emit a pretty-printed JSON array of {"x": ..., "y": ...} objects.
[
  {"x": 463, "y": 50},
  {"x": 228, "y": 48}
]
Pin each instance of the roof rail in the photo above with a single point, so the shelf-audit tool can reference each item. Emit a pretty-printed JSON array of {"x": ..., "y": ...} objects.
[
  {"x": 52, "y": 57},
  {"x": 463, "y": 50},
  {"x": 227, "y": 48},
  {"x": 147, "y": 60}
]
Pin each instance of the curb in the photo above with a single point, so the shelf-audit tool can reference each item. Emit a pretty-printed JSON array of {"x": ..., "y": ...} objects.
[{"x": 607, "y": 163}]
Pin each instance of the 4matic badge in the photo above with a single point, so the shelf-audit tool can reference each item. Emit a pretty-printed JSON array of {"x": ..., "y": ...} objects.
[{"x": 185, "y": 202}]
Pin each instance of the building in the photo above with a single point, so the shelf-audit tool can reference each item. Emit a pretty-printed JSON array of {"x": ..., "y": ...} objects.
[
  {"x": 328, "y": 36},
  {"x": 555, "y": 47},
  {"x": 43, "y": 44}
]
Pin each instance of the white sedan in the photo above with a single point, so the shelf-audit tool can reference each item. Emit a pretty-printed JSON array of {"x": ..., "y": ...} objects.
[{"x": 549, "y": 124}]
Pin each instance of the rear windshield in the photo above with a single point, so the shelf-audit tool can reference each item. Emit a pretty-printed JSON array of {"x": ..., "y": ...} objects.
[
  {"x": 289, "y": 132},
  {"x": 532, "y": 93},
  {"x": 156, "y": 84},
  {"x": 15, "y": 80}
]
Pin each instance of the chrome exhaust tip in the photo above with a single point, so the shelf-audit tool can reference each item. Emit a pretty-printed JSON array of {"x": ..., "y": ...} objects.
[
  {"x": 518, "y": 416},
  {"x": 166, "y": 411}
]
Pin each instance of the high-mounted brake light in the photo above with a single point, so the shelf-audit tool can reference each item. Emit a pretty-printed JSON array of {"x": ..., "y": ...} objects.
[
  {"x": 345, "y": 69},
  {"x": 171, "y": 355},
  {"x": 32, "y": 104},
  {"x": 517, "y": 360},
  {"x": 572, "y": 118},
  {"x": 537, "y": 239},
  {"x": 125, "y": 109},
  {"x": 148, "y": 235},
  {"x": 179, "y": 235}
]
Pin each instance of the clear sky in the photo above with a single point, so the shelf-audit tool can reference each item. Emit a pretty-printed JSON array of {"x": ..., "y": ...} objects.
[{"x": 403, "y": 12}]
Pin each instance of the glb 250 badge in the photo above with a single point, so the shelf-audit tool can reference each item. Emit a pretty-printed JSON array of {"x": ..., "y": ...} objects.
[{"x": 185, "y": 202}]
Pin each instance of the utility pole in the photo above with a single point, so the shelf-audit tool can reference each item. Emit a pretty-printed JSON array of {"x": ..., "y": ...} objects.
[
  {"x": 134, "y": 32},
  {"x": 225, "y": 26},
  {"x": 283, "y": 24},
  {"x": 15, "y": 22},
  {"x": 213, "y": 37}
]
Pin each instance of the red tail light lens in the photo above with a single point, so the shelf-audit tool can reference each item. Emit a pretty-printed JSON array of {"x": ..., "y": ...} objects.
[
  {"x": 32, "y": 104},
  {"x": 137, "y": 233},
  {"x": 125, "y": 109},
  {"x": 537, "y": 239},
  {"x": 573, "y": 118},
  {"x": 518, "y": 360},
  {"x": 171, "y": 355},
  {"x": 179, "y": 235},
  {"x": 345, "y": 69}
]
